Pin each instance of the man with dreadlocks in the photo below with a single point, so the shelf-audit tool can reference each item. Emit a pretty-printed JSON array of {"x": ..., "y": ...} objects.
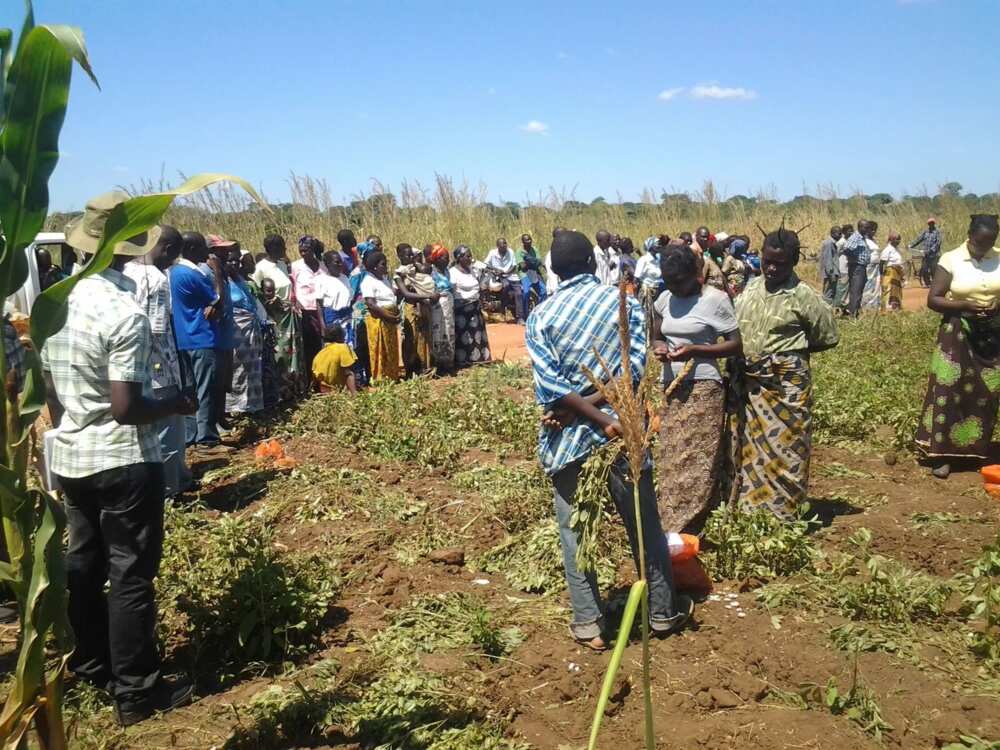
[{"x": 782, "y": 321}]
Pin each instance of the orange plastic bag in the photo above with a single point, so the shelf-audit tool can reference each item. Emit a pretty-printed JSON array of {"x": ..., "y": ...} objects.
[
  {"x": 992, "y": 489},
  {"x": 682, "y": 546},
  {"x": 690, "y": 577},
  {"x": 991, "y": 474},
  {"x": 269, "y": 449},
  {"x": 286, "y": 463}
]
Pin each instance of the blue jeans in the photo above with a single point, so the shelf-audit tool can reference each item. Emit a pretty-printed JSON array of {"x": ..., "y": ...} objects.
[
  {"x": 526, "y": 286},
  {"x": 171, "y": 430},
  {"x": 584, "y": 594},
  {"x": 201, "y": 366}
]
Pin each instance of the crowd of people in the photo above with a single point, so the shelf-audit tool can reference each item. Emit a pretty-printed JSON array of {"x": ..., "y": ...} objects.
[
  {"x": 856, "y": 275},
  {"x": 184, "y": 331}
]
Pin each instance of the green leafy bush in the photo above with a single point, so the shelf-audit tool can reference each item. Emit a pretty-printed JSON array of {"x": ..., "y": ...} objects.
[
  {"x": 229, "y": 599},
  {"x": 755, "y": 543},
  {"x": 519, "y": 497},
  {"x": 444, "y": 621},
  {"x": 531, "y": 560},
  {"x": 877, "y": 376},
  {"x": 405, "y": 421}
]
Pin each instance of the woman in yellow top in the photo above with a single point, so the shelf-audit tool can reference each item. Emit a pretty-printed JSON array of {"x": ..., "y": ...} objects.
[
  {"x": 963, "y": 394},
  {"x": 333, "y": 366}
]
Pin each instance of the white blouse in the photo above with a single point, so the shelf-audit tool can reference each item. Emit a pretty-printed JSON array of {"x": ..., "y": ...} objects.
[
  {"x": 466, "y": 283},
  {"x": 378, "y": 290}
]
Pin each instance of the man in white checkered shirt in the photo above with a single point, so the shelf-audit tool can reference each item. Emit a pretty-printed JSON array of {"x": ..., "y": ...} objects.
[{"x": 106, "y": 457}]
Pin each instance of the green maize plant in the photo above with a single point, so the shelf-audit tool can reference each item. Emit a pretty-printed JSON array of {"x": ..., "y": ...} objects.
[
  {"x": 34, "y": 91},
  {"x": 630, "y": 404}
]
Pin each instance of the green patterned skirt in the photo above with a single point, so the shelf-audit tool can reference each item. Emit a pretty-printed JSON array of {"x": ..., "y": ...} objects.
[{"x": 960, "y": 410}]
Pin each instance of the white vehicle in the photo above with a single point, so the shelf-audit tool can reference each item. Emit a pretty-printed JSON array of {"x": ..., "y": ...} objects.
[{"x": 62, "y": 256}]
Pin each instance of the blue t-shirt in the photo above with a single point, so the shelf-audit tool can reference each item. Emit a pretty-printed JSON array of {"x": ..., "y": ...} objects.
[{"x": 190, "y": 293}]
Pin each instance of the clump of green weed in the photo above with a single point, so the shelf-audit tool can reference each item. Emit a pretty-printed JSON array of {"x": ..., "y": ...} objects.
[
  {"x": 518, "y": 497},
  {"x": 887, "y": 356},
  {"x": 859, "y": 704},
  {"x": 229, "y": 599},
  {"x": 531, "y": 560},
  {"x": 756, "y": 544},
  {"x": 445, "y": 621},
  {"x": 983, "y": 601},
  {"x": 404, "y": 422},
  {"x": 855, "y": 637},
  {"x": 885, "y": 590},
  {"x": 289, "y": 715}
]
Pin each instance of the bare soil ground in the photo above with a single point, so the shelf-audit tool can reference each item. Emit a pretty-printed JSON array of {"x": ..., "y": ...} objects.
[{"x": 718, "y": 685}]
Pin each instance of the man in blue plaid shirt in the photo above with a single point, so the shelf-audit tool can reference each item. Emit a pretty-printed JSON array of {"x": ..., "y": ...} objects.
[
  {"x": 565, "y": 334},
  {"x": 858, "y": 254}
]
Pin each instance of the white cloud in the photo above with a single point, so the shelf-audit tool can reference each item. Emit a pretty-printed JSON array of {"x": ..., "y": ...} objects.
[
  {"x": 535, "y": 127},
  {"x": 713, "y": 91},
  {"x": 667, "y": 94}
]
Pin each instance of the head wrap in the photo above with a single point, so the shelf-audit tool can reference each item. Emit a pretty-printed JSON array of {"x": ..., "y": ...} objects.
[
  {"x": 306, "y": 241},
  {"x": 738, "y": 248},
  {"x": 650, "y": 243},
  {"x": 438, "y": 251},
  {"x": 364, "y": 248}
]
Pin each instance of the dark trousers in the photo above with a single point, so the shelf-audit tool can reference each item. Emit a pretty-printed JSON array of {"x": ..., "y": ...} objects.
[
  {"x": 201, "y": 366},
  {"x": 857, "y": 277},
  {"x": 830, "y": 288},
  {"x": 115, "y": 521},
  {"x": 312, "y": 338},
  {"x": 927, "y": 269}
]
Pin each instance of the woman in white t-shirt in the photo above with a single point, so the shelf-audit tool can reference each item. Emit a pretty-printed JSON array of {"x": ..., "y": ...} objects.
[
  {"x": 689, "y": 319},
  {"x": 382, "y": 323},
  {"x": 471, "y": 344},
  {"x": 333, "y": 297},
  {"x": 891, "y": 262},
  {"x": 871, "y": 297}
]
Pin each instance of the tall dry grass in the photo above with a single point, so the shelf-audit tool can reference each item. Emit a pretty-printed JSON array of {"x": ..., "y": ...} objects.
[{"x": 457, "y": 213}]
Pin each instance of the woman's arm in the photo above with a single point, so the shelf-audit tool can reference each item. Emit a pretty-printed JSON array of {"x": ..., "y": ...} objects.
[
  {"x": 730, "y": 346},
  {"x": 938, "y": 301},
  {"x": 378, "y": 312},
  {"x": 322, "y": 316}
]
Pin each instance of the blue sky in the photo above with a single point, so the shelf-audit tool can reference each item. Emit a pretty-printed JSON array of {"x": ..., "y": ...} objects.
[{"x": 877, "y": 95}]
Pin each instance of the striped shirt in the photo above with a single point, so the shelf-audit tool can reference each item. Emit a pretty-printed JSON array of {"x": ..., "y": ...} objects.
[
  {"x": 562, "y": 335},
  {"x": 106, "y": 338}
]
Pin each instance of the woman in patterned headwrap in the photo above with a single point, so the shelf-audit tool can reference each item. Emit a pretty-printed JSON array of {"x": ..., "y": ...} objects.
[
  {"x": 443, "y": 312},
  {"x": 471, "y": 344},
  {"x": 783, "y": 321}
]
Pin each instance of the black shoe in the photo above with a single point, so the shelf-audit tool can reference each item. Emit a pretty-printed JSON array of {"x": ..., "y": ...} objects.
[{"x": 166, "y": 696}]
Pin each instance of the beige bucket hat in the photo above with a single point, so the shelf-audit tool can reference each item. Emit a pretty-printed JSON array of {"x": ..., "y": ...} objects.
[{"x": 85, "y": 233}]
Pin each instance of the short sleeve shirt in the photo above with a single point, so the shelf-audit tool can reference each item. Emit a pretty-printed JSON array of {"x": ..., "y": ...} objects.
[
  {"x": 378, "y": 290},
  {"x": 106, "y": 338},
  {"x": 466, "y": 283},
  {"x": 332, "y": 365},
  {"x": 973, "y": 280},
  {"x": 699, "y": 319}
]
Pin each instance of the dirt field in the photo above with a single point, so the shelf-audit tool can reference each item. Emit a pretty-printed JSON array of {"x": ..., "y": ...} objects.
[{"x": 729, "y": 681}]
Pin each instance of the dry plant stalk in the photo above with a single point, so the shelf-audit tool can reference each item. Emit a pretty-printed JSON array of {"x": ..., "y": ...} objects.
[{"x": 629, "y": 402}]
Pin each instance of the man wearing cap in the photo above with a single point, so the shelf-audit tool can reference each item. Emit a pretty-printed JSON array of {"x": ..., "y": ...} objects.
[
  {"x": 107, "y": 459},
  {"x": 196, "y": 303},
  {"x": 152, "y": 293},
  {"x": 930, "y": 238}
]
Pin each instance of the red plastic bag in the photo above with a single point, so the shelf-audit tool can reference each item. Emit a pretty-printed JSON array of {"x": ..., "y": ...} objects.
[{"x": 691, "y": 578}]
